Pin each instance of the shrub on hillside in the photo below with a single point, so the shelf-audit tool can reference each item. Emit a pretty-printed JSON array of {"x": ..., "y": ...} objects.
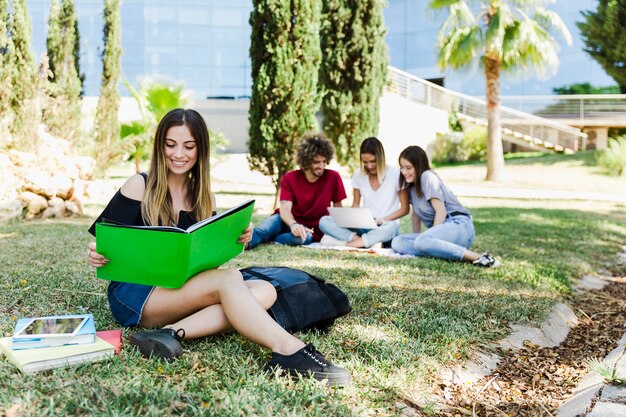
[
  {"x": 613, "y": 158},
  {"x": 460, "y": 147}
]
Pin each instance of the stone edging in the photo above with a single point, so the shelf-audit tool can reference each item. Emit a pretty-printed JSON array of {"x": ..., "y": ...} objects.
[
  {"x": 610, "y": 399},
  {"x": 552, "y": 332}
]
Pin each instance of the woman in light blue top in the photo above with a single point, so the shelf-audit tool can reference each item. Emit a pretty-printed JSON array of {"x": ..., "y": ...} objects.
[
  {"x": 378, "y": 185},
  {"x": 450, "y": 229}
]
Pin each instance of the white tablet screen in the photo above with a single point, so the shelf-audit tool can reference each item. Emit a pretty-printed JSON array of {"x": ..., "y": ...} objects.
[{"x": 52, "y": 326}]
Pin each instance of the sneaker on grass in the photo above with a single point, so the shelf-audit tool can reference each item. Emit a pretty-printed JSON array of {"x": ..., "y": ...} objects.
[
  {"x": 308, "y": 361},
  {"x": 486, "y": 261},
  {"x": 161, "y": 343}
]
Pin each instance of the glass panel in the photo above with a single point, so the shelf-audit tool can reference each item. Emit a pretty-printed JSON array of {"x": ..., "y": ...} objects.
[
  {"x": 192, "y": 56},
  {"x": 228, "y": 57},
  {"x": 133, "y": 54},
  {"x": 159, "y": 35},
  {"x": 231, "y": 37},
  {"x": 228, "y": 17},
  {"x": 420, "y": 49},
  {"x": 130, "y": 12},
  {"x": 194, "y": 35},
  {"x": 396, "y": 45},
  {"x": 155, "y": 13},
  {"x": 133, "y": 34},
  {"x": 394, "y": 16},
  {"x": 193, "y": 16},
  {"x": 161, "y": 55}
]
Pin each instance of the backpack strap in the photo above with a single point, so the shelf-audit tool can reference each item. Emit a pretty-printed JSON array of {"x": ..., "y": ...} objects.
[{"x": 264, "y": 277}]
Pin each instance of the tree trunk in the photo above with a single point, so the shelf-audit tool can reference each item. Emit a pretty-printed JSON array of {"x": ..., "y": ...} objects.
[
  {"x": 495, "y": 154},
  {"x": 276, "y": 194},
  {"x": 137, "y": 162}
]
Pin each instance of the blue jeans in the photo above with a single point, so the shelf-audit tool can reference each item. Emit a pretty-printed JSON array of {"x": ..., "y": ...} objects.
[
  {"x": 447, "y": 240},
  {"x": 274, "y": 229},
  {"x": 127, "y": 300},
  {"x": 383, "y": 233}
]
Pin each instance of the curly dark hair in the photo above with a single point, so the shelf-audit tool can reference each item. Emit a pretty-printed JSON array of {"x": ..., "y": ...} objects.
[{"x": 313, "y": 144}]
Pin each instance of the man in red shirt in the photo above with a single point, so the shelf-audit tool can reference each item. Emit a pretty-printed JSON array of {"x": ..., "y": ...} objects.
[{"x": 305, "y": 195}]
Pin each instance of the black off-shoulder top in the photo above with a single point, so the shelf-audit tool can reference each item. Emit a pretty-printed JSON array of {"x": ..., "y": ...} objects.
[{"x": 125, "y": 210}]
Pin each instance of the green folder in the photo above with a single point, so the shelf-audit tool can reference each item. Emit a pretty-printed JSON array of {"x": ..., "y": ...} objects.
[{"x": 167, "y": 256}]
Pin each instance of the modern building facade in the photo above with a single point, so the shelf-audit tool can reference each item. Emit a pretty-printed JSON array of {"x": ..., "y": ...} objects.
[
  {"x": 205, "y": 43},
  {"x": 202, "y": 43}
]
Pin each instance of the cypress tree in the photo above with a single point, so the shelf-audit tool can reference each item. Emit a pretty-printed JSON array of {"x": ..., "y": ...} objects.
[
  {"x": 106, "y": 125},
  {"x": 53, "y": 39},
  {"x": 23, "y": 76},
  {"x": 285, "y": 57},
  {"x": 353, "y": 73},
  {"x": 62, "y": 114},
  {"x": 81, "y": 75},
  {"x": 604, "y": 34},
  {"x": 5, "y": 66}
]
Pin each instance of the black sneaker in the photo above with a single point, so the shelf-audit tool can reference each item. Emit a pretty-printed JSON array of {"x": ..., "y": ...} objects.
[
  {"x": 161, "y": 343},
  {"x": 308, "y": 361},
  {"x": 486, "y": 261}
]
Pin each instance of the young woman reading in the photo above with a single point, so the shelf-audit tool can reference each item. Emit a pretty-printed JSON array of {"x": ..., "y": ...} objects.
[{"x": 176, "y": 191}]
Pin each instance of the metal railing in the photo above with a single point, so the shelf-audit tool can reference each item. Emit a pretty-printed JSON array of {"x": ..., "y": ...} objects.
[
  {"x": 582, "y": 107},
  {"x": 517, "y": 126}
]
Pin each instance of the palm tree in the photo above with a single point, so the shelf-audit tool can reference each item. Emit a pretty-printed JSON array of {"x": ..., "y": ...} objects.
[{"x": 503, "y": 35}]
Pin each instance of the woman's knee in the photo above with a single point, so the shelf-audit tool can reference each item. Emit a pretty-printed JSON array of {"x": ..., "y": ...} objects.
[
  {"x": 325, "y": 221},
  {"x": 263, "y": 291},
  {"x": 397, "y": 244},
  {"x": 422, "y": 244},
  {"x": 214, "y": 281}
]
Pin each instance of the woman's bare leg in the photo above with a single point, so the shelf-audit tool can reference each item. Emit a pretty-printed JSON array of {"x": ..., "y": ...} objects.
[
  {"x": 356, "y": 242},
  {"x": 470, "y": 256},
  {"x": 212, "y": 301},
  {"x": 212, "y": 320}
]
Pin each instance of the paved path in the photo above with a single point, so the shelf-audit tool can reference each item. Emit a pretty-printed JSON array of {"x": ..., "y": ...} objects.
[{"x": 539, "y": 194}]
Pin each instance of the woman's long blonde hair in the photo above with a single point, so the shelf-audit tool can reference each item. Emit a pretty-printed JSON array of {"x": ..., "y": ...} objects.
[
  {"x": 374, "y": 147},
  {"x": 156, "y": 206}
]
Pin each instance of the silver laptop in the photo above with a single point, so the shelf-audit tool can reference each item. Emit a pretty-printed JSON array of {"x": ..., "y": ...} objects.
[{"x": 353, "y": 217}]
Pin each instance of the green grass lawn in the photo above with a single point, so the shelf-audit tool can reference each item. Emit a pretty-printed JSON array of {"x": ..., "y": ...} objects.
[{"x": 411, "y": 317}]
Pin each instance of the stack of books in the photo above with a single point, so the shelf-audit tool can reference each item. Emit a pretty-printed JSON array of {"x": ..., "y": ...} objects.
[{"x": 50, "y": 342}]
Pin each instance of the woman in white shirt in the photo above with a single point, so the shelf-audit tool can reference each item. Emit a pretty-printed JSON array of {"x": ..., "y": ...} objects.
[{"x": 378, "y": 185}]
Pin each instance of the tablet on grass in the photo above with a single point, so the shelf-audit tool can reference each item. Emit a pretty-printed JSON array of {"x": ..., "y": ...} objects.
[{"x": 53, "y": 326}]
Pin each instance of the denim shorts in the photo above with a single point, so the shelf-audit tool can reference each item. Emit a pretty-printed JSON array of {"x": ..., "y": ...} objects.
[{"x": 127, "y": 301}]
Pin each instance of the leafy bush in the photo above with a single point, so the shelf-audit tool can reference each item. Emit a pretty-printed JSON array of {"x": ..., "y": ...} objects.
[
  {"x": 461, "y": 147},
  {"x": 474, "y": 144},
  {"x": 613, "y": 158}
]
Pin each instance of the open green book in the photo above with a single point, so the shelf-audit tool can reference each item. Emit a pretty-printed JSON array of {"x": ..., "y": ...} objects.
[{"x": 167, "y": 256}]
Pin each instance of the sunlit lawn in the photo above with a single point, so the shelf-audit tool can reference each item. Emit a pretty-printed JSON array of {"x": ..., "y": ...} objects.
[
  {"x": 554, "y": 172},
  {"x": 411, "y": 317}
]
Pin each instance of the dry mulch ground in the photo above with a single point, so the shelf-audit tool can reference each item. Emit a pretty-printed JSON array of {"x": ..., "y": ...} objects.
[{"x": 534, "y": 381}]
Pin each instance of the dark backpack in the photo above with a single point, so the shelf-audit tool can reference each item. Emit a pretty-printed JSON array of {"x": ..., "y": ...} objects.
[{"x": 305, "y": 302}]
